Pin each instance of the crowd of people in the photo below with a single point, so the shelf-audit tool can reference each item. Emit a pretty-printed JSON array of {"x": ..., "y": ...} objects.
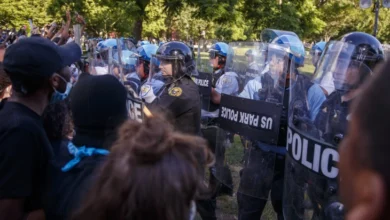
[{"x": 70, "y": 147}]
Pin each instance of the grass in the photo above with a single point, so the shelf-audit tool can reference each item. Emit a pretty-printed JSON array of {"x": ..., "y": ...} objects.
[{"x": 227, "y": 207}]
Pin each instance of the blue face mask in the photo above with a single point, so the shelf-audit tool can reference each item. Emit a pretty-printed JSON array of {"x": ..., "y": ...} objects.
[{"x": 58, "y": 96}]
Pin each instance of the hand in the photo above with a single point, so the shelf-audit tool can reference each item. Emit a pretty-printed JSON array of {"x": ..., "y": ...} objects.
[
  {"x": 80, "y": 19},
  {"x": 68, "y": 15}
]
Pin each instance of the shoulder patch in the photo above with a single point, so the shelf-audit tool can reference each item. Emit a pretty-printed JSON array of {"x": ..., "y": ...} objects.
[
  {"x": 175, "y": 91},
  {"x": 226, "y": 80},
  {"x": 145, "y": 90}
]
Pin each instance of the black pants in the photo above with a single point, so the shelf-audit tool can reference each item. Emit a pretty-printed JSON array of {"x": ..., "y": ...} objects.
[
  {"x": 207, "y": 207},
  {"x": 263, "y": 172}
]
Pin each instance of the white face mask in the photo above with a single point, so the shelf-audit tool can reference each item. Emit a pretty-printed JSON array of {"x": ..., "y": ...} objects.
[{"x": 192, "y": 210}]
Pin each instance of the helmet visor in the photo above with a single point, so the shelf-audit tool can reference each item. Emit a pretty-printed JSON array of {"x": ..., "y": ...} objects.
[{"x": 342, "y": 67}]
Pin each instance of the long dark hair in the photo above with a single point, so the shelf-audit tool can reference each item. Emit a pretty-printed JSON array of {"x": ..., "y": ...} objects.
[{"x": 151, "y": 173}]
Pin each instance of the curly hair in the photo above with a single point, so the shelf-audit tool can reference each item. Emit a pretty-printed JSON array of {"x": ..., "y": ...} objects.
[
  {"x": 57, "y": 120},
  {"x": 151, "y": 173},
  {"x": 4, "y": 80}
]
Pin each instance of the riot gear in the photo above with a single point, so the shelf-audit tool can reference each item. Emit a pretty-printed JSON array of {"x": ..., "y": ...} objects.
[
  {"x": 316, "y": 52},
  {"x": 317, "y": 125},
  {"x": 144, "y": 56},
  {"x": 179, "y": 55}
]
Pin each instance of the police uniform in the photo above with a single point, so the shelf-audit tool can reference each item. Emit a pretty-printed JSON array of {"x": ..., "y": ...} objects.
[
  {"x": 252, "y": 87},
  {"x": 174, "y": 93},
  {"x": 251, "y": 207},
  {"x": 224, "y": 83},
  {"x": 133, "y": 80},
  {"x": 180, "y": 98}
]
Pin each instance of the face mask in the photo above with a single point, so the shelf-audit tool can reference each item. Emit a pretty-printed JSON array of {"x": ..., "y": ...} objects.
[{"x": 58, "y": 96}]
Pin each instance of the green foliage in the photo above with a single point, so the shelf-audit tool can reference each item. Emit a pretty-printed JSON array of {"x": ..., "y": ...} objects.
[
  {"x": 16, "y": 13},
  {"x": 228, "y": 20}
]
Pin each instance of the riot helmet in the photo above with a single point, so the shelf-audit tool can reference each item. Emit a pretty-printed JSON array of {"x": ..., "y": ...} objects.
[
  {"x": 103, "y": 57},
  {"x": 218, "y": 51},
  {"x": 144, "y": 56},
  {"x": 128, "y": 60},
  {"x": 349, "y": 61},
  {"x": 316, "y": 52},
  {"x": 174, "y": 59},
  {"x": 291, "y": 47},
  {"x": 268, "y": 35},
  {"x": 294, "y": 46}
]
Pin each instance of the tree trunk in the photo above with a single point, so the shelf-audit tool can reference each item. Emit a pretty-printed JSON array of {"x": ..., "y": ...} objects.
[{"x": 137, "y": 31}]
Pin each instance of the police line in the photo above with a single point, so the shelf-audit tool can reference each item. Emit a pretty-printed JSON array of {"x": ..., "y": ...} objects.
[{"x": 320, "y": 158}]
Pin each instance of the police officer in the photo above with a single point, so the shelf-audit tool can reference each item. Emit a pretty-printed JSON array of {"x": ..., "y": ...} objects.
[
  {"x": 224, "y": 81},
  {"x": 253, "y": 69},
  {"x": 325, "y": 82},
  {"x": 179, "y": 94},
  {"x": 348, "y": 77},
  {"x": 144, "y": 56},
  {"x": 348, "y": 62},
  {"x": 316, "y": 52},
  {"x": 264, "y": 164}
]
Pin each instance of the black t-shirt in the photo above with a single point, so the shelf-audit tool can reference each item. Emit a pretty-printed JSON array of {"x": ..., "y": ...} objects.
[
  {"x": 24, "y": 155},
  {"x": 182, "y": 99}
]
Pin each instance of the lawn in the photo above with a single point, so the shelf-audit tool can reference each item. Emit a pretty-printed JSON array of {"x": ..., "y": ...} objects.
[{"x": 227, "y": 207}]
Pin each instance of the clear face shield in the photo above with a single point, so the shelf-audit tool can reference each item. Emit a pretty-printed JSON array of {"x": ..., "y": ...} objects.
[
  {"x": 129, "y": 45},
  {"x": 128, "y": 61},
  {"x": 167, "y": 67},
  {"x": 342, "y": 66},
  {"x": 102, "y": 62},
  {"x": 277, "y": 60},
  {"x": 315, "y": 56}
]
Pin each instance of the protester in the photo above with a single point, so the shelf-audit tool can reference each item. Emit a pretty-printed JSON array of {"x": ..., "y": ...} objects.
[
  {"x": 98, "y": 108},
  {"x": 57, "y": 121},
  {"x": 32, "y": 65},
  {"x": 5, "y": 83},
  {"x": 364, "y": 154},
  {"x": 65, "y": 31},
  {"x": 2, "y": 51},
  {"x": 152, "y": 172}
]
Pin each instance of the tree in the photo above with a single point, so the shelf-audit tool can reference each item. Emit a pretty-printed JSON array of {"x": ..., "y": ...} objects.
[
  {"x": 154, "y": 21},
  {"x": 298, "y": 16},
  {"x": 16, "y": 13},
  {"x": 102, "y": 17}
]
